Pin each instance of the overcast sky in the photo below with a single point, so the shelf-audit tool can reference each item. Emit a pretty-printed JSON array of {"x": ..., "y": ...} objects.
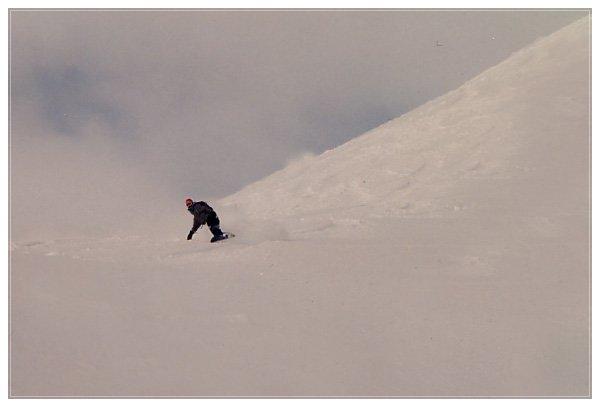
[{"x": 115, "y": 110}]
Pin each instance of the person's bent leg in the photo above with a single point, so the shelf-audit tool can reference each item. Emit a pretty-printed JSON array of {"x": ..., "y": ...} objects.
[
  {"x": 213, "y": 224},
  {"x": 216, "y": 231}
]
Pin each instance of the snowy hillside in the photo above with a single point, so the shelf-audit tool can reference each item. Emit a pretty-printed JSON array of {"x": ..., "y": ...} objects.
[
  {"x": 444, "y": 253},
  {"x": 514, "y": 124}
]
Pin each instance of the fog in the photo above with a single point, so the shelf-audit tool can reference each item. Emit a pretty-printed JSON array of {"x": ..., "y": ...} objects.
[{"x": 117, "y": 116}]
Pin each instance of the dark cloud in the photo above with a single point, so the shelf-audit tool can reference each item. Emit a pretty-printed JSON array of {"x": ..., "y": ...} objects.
[
  {"x": 68, "y": 101},
  {"x": 203, "y": 102}
]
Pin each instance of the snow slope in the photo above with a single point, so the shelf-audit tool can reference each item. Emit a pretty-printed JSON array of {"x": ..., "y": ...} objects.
[
  {"x": 444, "y": 253},
  {"x": 511, "y": 126}
]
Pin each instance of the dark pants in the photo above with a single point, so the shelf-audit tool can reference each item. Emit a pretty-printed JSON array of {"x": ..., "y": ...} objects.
[{"x": 213, "y": 223}]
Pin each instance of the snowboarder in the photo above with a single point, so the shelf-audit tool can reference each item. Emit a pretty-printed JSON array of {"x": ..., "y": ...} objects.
[{"x": 203, "y": 213}]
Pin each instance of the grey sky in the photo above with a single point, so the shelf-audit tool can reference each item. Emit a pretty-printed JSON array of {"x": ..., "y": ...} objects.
[{"x": 164, "y": 104}]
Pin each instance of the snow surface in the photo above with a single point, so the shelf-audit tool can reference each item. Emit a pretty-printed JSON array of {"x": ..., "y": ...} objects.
[{"x": 444, "y": 253}]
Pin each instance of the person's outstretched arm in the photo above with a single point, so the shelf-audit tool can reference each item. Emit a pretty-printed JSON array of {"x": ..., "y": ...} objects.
[{"x": 198, "y": 221}]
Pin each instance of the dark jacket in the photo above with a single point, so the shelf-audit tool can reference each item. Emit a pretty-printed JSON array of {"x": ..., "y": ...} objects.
[{"x": 203, "y": 213}]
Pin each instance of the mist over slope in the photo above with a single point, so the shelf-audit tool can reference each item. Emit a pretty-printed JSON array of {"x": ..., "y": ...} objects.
[
  {"x": 504, "y": 142},
  {"x": 445, "y": 253}
]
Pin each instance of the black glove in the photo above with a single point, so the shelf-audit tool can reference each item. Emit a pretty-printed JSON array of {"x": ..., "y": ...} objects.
[{"x": 190, "y": 235}]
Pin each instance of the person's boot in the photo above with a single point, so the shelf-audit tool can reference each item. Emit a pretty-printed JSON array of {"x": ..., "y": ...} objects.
[{"x": 217, "y": 238}]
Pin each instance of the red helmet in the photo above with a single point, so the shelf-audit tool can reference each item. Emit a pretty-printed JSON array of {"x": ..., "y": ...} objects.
[{"x": 189, "y": 202}]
